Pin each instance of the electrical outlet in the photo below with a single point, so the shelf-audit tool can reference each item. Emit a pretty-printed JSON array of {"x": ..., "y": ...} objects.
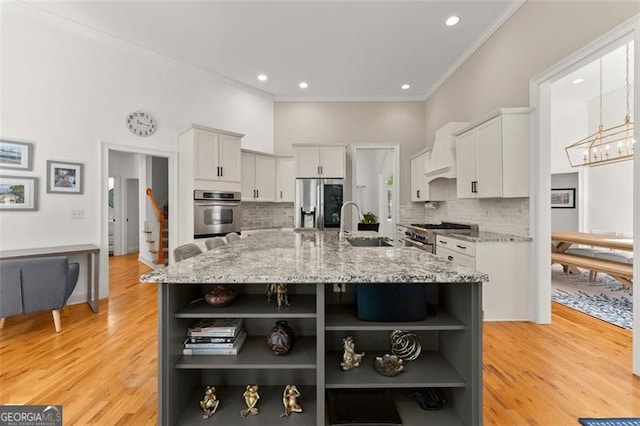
[
  {"x": 339, "y": 288},
  {"x": 77, "y": 214}
]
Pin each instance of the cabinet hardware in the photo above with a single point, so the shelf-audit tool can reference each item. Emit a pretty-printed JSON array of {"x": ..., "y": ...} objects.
[
  {"x": 461, "y": 247},
  {"x": 442, "y": 242},
  {"x": 450, "y": 257},
  {"x": 321, "y": 170},
  {"x": 218, "y": 171},
  {"x": 281, "y": 195},
  {"x": 221, "y": 171},
  {"x": 418, "y": 193},
  {"x": 257, "y": 193},
  {"x": 318, "y": 169}
]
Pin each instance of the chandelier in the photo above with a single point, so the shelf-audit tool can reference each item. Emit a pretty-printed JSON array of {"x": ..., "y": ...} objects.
[{"x": 608, "y": 145}]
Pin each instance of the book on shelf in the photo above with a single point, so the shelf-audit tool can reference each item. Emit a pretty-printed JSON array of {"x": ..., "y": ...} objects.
[
  {"x": 237, "y": 344},
  {"x": 227, "y": 342},
  {"x": 209, "y": 339},
  {"x": 215, "y": 327}
]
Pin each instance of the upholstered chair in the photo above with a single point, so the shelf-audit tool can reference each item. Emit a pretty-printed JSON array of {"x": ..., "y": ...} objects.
[
  {"x": 232, "y": 237},
  {"x": 186, "y": 251},
  {"x": 214, "y": 242}
]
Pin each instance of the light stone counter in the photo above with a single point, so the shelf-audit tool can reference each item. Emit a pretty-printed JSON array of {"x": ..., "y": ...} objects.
[
  {"x": 312, "y": 257},
  {"x": 486, "y": 237}
]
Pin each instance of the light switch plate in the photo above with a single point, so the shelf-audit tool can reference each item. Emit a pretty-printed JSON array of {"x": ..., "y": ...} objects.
[{"x": 77, "y": 214}]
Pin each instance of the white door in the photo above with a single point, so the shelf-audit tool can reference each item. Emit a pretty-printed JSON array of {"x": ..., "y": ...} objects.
[
  {"x": 285, "y": 178},
  {"x": 466, "y": 163},
  {"x": 229, "y": 158},
  {"x": 417, "y": 179},
  {"x": 132, "y": 216},
  {"x": 489, "y": 159},
  {"x": 248, "y": 177},
  {"x": 205, "y": 155},
  {"x": 307, "y": 162},
  {"x": 265, "y": 178},
  {"x": 332, "y": 161}
]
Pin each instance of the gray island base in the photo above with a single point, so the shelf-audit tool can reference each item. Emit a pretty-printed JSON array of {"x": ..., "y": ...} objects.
[{"x": 310, "y": 263}]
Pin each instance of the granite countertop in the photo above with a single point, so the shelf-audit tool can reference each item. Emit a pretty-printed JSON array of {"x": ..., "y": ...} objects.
[
  {"x": 312, "y": 257},
  {"x": 485, "y": 237}
]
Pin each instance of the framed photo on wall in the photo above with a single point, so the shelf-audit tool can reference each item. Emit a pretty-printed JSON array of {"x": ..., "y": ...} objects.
[
  {"x": 563, "y": 198},
  {"x": 64, "y": 177},
  {"x": 18, "y": 193},
  {"x": 16, "y": 155}
]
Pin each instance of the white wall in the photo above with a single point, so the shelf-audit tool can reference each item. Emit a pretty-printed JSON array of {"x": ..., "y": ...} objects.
[
  {"x": 566, "y": 219},
  {"x": 66, "y": 89}
]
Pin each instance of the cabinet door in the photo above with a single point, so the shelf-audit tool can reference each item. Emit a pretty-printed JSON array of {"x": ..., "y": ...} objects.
[
  {"x": 307, "y": 161},
  {"x": 489, "y": 158},
  {"x": 419, "y": 188},
  {"x": 229, "y": 158},
  {"x": 285, "y": 178},
  {"x": 265, "y": 178},
  {"x": 332, "y": 162},
  {"x": 248, "y": 177},
  {"x": 205, "y": 155},
  {"x": 466, "y": 164}
]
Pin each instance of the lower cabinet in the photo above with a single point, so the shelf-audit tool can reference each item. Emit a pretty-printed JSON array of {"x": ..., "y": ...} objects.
[{"x": 451, "y": 356}]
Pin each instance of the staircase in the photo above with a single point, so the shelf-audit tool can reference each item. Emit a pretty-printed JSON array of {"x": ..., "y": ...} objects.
[{"x": 158, "y": 235}]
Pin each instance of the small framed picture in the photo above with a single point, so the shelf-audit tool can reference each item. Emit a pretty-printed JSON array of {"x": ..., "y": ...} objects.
[
  {"x": 18, "y": 193},
  {"x": 16, "y": 155},
  {"x": 563, "y": 198},
  {"x": 64, "y": 177}
]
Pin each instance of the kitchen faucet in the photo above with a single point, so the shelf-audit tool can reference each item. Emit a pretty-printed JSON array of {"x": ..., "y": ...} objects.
[{"x": 345, "y": 204}]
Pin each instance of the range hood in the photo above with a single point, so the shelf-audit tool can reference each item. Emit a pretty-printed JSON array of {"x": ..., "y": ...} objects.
[{"x": 442, "y": 162}]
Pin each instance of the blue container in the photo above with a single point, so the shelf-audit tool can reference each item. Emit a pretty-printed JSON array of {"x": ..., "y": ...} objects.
[{"x": 391, "y": 302}]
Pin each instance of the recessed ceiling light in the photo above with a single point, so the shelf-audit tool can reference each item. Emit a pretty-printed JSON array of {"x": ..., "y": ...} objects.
[
  {"x": 578, "y": 80},
  {"x": 303, "y": 85},
  {"x": 451, "y": 21},
  {"x": 262, "y": 77},
  {"x": 405, "y": 86}
]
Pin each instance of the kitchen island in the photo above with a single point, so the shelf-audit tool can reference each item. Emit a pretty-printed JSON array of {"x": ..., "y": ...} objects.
[{"x": 311, "y": 263}]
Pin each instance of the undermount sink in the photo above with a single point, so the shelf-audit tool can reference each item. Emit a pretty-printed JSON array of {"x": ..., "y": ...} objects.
[{"x": 368, "y": 242}]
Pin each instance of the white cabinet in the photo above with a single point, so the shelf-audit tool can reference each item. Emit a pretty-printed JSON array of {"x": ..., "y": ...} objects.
[
  {"x": 420, "y": 189},
  {"x": 320, "y": 161},
  {"x": 492, "y": 155},
  {"x": 419, "y": 186},
  {"x": 506, "y": 296},
  {"x": 285, "y": 179},
  {"x": 258, "y": 177},
  {"x": 216, "y": 156}
]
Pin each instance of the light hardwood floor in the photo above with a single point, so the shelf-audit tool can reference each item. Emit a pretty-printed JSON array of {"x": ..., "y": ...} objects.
[{"x": 102, "y": 367}]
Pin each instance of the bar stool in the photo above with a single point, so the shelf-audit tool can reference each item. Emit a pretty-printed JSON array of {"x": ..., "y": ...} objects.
[
  {"x": 186, "y": 251},
  {"x": 214, "y": 242},
  {"x": 232, "y": 237}
]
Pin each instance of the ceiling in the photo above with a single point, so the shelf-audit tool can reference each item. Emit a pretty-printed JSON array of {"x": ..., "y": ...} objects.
[{"x": 357, "y": 50}]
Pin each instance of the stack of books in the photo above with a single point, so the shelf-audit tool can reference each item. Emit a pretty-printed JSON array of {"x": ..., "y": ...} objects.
[{"x": 215, "y": 336}]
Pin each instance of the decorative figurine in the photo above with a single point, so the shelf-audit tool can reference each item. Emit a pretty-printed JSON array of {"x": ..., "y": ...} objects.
[
  {"x": 405, "y": 345},
  {"x": 209, "y": 404},
  {"x": 388, "y": 365},
  {"x": 290, "y": 400},
  {"x": 251, "y": 398},
  {"x": 281, "y": 292},
  {"x": 280, "y": 338},
  {"x": 350, "y": 359}
]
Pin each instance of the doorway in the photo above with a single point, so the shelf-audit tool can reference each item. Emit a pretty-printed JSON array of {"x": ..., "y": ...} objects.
[
  {"x": 375, "y": 186},
  {"x": 540, "y": 204}
]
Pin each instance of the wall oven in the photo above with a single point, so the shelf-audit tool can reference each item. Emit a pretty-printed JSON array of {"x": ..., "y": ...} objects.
[{"x": 215, "y": 213}]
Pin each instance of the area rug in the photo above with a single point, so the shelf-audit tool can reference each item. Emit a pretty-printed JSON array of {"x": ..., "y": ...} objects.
[
  {"x": 634, "y": 421},
  {"x": 604, "y": 298}
]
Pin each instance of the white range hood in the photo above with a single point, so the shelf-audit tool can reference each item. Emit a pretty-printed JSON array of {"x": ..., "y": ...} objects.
[{"x": 442, "y": 162}]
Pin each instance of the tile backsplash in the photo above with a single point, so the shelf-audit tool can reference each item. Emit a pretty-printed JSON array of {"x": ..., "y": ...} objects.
[{"x": 267, "y": 215}]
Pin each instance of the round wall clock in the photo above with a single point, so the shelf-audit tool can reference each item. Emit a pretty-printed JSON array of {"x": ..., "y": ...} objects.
[{"x": 141, "y": 124}]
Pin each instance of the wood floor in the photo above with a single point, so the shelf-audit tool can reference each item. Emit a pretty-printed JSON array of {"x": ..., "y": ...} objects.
[{"x": 102, "y": 367}]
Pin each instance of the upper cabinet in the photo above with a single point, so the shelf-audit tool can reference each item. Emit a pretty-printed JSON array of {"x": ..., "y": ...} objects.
[
  {"x": 213, "y": 156},
  {"x": 320, "y": 161},
  {"x": 419, "y": 185},
  {"x": 285, "y": 179},
  {"x": 258, "y": 177},
  {"x": 492, "y": 155}
]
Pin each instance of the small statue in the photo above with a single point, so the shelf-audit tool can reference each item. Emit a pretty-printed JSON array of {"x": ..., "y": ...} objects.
[
  {"x": 281, "y": 292},
  {"x": 209, "y": 404},
  {"x": 251, "y": 398},
  {"x": 350, "y": 359},
  {"x": 290, "y": 400}
]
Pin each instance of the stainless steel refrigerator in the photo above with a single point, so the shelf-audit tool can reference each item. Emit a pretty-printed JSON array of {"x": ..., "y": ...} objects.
[{"x": 318, "y": 203}]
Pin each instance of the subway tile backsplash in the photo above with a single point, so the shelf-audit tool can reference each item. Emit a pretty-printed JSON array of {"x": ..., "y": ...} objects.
[{"x": 267, "y": 215}]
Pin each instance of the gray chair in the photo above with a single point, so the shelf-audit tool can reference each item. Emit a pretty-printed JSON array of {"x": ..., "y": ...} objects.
[
  {"x": 232, "y": 237},
  {"x": 186, "y": 251},
  {"x": 214, "y": 242},
  {"x": 36, "y": 285}
]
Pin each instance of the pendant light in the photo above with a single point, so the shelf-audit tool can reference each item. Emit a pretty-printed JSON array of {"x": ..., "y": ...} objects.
[{"x": 608, "y": 145}]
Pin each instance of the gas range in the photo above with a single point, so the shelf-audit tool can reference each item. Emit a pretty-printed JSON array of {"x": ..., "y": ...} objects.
[{"x": 423, "y": 235}]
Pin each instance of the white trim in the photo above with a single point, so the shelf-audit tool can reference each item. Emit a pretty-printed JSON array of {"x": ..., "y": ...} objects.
[
  {"x": 495, "y": 25},
  {"x": 417, "y": 98},
  {"x": 172, "y": 165},
  {"x": 540, "y": 212}
]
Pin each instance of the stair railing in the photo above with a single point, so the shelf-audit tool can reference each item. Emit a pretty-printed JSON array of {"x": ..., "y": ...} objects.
[{"x": 161, "y": 225}]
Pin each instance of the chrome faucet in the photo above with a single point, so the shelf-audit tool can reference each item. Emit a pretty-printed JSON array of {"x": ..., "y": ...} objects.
[{"x": 345, "y": 204}]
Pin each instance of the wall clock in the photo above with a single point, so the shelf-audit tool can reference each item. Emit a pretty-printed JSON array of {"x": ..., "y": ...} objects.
[{"x": 141, "y": 123}]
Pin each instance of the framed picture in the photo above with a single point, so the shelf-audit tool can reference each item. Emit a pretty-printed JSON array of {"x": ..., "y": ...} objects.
[
  {"x": 64, "y": 177},
  {"x": 18, "y": 193},
  {"x": 16, "y": 155},
  {"x": 563, "y": 198}
]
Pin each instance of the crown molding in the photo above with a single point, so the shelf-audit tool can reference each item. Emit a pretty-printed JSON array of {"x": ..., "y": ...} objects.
[{"x": 349, "y": 99}]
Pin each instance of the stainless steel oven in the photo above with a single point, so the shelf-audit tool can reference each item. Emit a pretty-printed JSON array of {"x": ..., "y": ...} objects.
[{"x": 215, "y": 213}]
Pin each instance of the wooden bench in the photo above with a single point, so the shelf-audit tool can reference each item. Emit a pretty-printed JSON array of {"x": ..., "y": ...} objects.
[{"x": 620, "y": 271}]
